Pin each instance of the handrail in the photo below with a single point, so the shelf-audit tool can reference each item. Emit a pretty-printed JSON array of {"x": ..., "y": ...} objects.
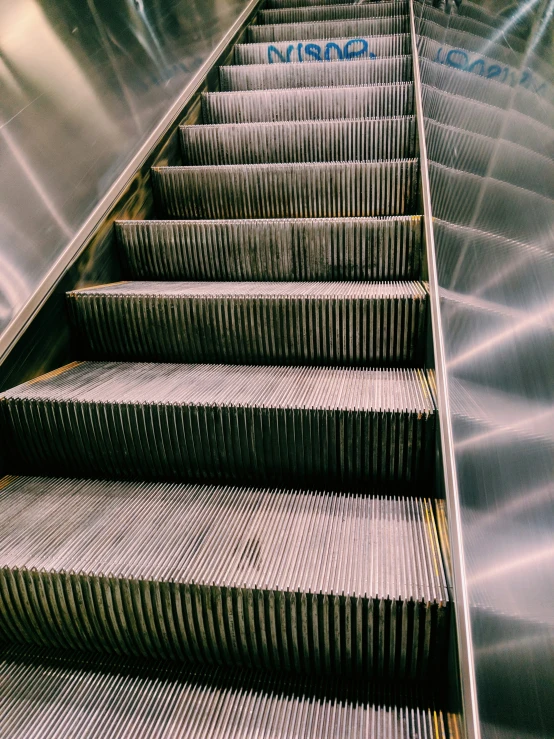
[{"x": 463, "y": 623}]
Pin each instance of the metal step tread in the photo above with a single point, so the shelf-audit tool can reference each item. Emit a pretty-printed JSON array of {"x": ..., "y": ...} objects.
[
  {"x": 298, "y": 141},
  {"x": 329, "y": 29},
  {"x": 333, "y": 12},
  {"x": 273, "y": 249},
  {"x": 371, "y": 324},
  {"x": 240, "y": 576},
  {"x": 319, "y": 50},
  {"x": 222, "y": 422},
  {"x": 297, "y": 74},
  {"x": 245, "y": 290},
  {"x": 400, "y": 391},
  {"x": 275, "y": 4},
  {"x": 309, "y": 103},
  {"x": 251, "y": 538},
  {"x": 277, "y": 190},
  {"x": 72, "y": 695}
]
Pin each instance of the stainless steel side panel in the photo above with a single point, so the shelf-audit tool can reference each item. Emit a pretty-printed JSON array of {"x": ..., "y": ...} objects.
[{"x": 487, "y": 79}]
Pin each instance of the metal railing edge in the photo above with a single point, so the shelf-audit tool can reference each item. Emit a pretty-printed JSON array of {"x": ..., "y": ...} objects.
[{"x": 465, "y": 643}]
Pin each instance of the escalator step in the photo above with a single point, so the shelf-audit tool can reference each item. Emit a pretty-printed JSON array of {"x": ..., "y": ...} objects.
[
  {"x": 300, "y": 141},
  {"x": 222, "y": 422},
  {"x": 317, "y": 323},
  {"x": 387, "y": 70},
  {"x": 312, "y": 190},
  {"x": 319, "y": 50},
  {"x": 330, "y": 103},
  {"x": 73, "y": 696},
  {"x": 306, "y": 582},
  {"x": 333, "y": 12},
  {"x": 274, "y": 249},
  {"x": 329, "y": 29},
  {"x": 274, "y": 4}
]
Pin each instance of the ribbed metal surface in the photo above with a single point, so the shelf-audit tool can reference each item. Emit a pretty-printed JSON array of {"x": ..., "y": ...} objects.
[
  {"x": 316, "y": 323},
  {"x": 289, "y": 580},
  {"x": 51, "y": 693},
  {"x": 320, "y": 190},
  {"x": 272, "y": 4},
  {"x": 333, "y": 12},
  {"x": 296, "y": 74},
  {"x": 319, "y": 50},
  {"x": 275, "y": 249},
  {"x": 222, "y": 422},
  {"x": 370, "y": 101},
  {"x": 300, "y": 141},
  {"x": 329, "y": 29}
]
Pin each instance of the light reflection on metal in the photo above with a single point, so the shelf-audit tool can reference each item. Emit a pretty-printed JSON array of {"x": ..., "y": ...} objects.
[{"x": 495, "y": 266}]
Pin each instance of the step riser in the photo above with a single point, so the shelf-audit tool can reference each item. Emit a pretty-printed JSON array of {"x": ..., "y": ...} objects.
[
  {"x": 326, "y": 74},
  {"x": 327, "y": 141},
  {"x": 238, "y": 443},
  {"x": 378, "y": 101},
  {"x": 387, "y": 249},
  {"x": 253, "y": 330},
  {"x": 319, "y": 50},
  {"x": 288, "y": 190},
  {"x": 305, "y": 14},
  {"x": 293, "y": 632},
  {"x": 329, "y": 29}
]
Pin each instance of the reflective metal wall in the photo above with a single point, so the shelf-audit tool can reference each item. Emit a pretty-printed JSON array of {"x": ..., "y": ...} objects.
[
  {"x": 83, "y": 84},
  {"x": 488, "y": 99}
]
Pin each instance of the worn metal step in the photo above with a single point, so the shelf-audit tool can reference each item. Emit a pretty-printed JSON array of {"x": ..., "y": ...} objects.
[
  {"x": 327, "y": 103},
  {"x": 306, "y": 582},
  {"x": 317, "y": 323},
  {"x": 274, "y": 249},
  {"x": 329, "y": 29},
  {"x": 71, "y": 696},
  {"x": 271, "y": 4},
  {"x": 300, "y": 190},
  {"x": 388, "y": 70},
  {"x": 300, "y": 141},
  {"x": 319, "y": 50},
  {"x": 222, "y": 422},
  {"x": 333, "y": 12}
]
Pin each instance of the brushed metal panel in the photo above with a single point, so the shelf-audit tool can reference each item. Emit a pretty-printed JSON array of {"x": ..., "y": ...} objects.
[{"x": 493, "y": 236}]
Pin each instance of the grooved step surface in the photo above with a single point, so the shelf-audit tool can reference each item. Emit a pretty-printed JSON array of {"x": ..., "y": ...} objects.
[
  {"x": 333, "y": 12},
  {"x": 74, "y": 696},
  {"x": 305, "y": 141},
  {"x": 329, "y": 29},
  {"x": 181, "y": 421},
  {"x": 274, "y": 4},
  {"x": 297, "y": 74},
  {"x": 290, "y": 580},
  {"x": 312, "y": 190},
  {"x": 274, "y": 249},
  {"x": 316, "y": 323},
  {"x": 310, "y": 103},
  {"x": 319, "y": 50}
]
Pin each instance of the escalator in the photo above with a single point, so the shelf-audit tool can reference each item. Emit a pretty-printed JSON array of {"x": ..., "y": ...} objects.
[{"x": 223, "y": 521}]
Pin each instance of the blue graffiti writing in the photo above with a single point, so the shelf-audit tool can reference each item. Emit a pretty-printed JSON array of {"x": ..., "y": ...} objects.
[
  {"x": 460, "y": 59},
  {"x": 351, "y": 49}
]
